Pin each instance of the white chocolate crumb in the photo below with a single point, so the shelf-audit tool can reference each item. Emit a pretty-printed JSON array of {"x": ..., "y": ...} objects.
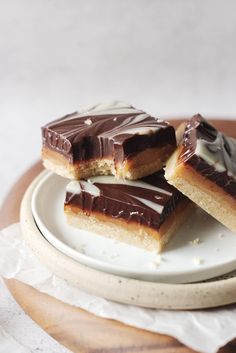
[
  {"x": 113, "y": 256},
  {"x": 88, "y": 122},
  {"x": 220, "y": 235},
  {"x": 195, "y": 241},
  {"x": 197, "y": 261},
  {"x": 81, "y": 248},
  {"x": 158, "y": 258},
  {"x": 153, "y": 264},
  {"x": 114, "y": 119},
  {"x": 156, "y": 261}
]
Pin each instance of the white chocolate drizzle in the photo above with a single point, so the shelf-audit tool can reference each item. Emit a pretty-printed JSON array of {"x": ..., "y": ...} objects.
[
  {"x": 217, "y": 160},
  {"x": 76, "y": 187},
  {"x": 137, "y": 183}
]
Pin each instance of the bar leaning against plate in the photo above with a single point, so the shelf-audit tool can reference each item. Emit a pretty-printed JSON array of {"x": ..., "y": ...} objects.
[
  {"x": 144, "y": 213},
  {"x": 203, "y": 167},
  {"x": 112, "y": 138}
]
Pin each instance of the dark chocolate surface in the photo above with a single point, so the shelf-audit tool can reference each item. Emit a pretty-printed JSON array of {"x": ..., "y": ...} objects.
[
  {"x": 217, "y": 159},
  {"x": 115, "y": 131},
  {"x": 130, "y": 201}
]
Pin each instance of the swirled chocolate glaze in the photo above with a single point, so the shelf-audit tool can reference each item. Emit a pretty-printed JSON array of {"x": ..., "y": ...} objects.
[
  {"x": 210, "y": 152},
  {"x": 114, "y": 130},
  {"x": 148, "y": 201}
]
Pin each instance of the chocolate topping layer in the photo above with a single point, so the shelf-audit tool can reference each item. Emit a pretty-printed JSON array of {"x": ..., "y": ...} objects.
[
  {"x": 115, "y": 130},
  {"x": 148, "y": 201},
  {"x": 211, "y": 153}
]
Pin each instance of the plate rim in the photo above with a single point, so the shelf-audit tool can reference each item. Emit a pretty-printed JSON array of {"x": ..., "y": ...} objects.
[{"x": 118, "y": 288}]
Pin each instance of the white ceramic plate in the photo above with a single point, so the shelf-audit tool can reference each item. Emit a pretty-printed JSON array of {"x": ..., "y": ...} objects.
[{"x": 181, "y": 262}]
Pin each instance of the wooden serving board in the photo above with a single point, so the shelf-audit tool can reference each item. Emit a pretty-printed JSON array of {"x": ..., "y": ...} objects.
[{"x": 73, "y": 327}]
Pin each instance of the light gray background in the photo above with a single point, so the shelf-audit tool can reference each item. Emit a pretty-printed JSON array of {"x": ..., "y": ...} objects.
[{"x": 169, "y": 57}]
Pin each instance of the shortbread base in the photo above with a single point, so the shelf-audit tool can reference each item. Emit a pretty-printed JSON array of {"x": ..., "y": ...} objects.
[
  {"x": 142, "y": 164},
  {"x": 129, "y": 232},
  {"x": 205, "y": 193}
]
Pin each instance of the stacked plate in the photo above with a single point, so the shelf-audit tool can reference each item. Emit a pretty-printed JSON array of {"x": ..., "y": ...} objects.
[
  {"x": 202, "y": 249},
  {"x": 183, "y": 277}
]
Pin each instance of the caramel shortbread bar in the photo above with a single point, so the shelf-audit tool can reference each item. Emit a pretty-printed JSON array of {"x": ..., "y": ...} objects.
[
  {"x": 112, "y": 138},
  {"x": 203, "y": 167},
  {"x": 144, "y": 213}
]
